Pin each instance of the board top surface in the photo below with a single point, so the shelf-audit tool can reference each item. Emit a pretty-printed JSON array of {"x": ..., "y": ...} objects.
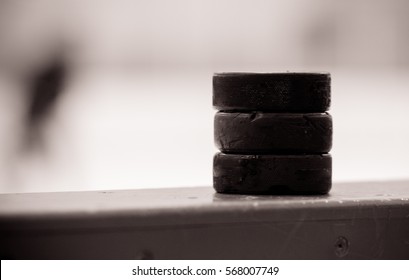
[
  {"x": 193, "y": 197},
  {"x": 197, "y": 205}
]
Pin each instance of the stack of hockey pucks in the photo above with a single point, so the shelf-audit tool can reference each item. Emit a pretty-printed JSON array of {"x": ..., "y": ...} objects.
[{"x": 273, "y": 133}]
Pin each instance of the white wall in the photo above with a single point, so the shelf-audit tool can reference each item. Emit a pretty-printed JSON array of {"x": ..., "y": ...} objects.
[{"x": 137, "y": 107}]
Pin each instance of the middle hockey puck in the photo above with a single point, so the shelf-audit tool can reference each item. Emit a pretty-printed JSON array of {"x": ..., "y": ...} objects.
[{"x": 273, "y": 133}]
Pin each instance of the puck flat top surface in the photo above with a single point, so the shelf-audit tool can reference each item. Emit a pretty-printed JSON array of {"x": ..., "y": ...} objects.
[
  {"x": 273, "y": 133},
  {"x": 270, "y": 74},
  {"x": 275, "y": 92}
]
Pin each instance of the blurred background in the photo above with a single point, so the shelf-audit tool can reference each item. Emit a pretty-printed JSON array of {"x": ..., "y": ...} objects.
[{"x": 116, "y": 94}]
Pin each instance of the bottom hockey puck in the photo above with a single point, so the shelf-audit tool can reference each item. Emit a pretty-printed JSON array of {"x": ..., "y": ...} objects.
[{"x": 272, "y": 174}]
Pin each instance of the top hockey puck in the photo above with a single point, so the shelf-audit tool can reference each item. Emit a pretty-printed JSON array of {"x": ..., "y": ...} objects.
[{"x": 272, "y": 92}]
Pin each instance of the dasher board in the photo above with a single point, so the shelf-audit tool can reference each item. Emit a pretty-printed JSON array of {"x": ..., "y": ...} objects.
[{"x": 354, "y": 221}]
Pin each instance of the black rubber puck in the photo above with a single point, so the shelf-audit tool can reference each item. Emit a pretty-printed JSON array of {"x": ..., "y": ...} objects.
[
  {"x": 273, "y": 133},
  {"x": 274, "y": 92},
  {"x": 272, "y": 174}
]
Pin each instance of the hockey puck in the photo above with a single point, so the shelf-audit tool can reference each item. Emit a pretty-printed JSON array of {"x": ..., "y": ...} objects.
[
  {"x": 273, "y": 92},
  {"x": 273, "y": 133},
  {"x": 272, "y": 174}
]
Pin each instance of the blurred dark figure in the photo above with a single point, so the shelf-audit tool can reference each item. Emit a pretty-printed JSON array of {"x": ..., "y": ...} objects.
[{"x": 44, "y": 90}]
